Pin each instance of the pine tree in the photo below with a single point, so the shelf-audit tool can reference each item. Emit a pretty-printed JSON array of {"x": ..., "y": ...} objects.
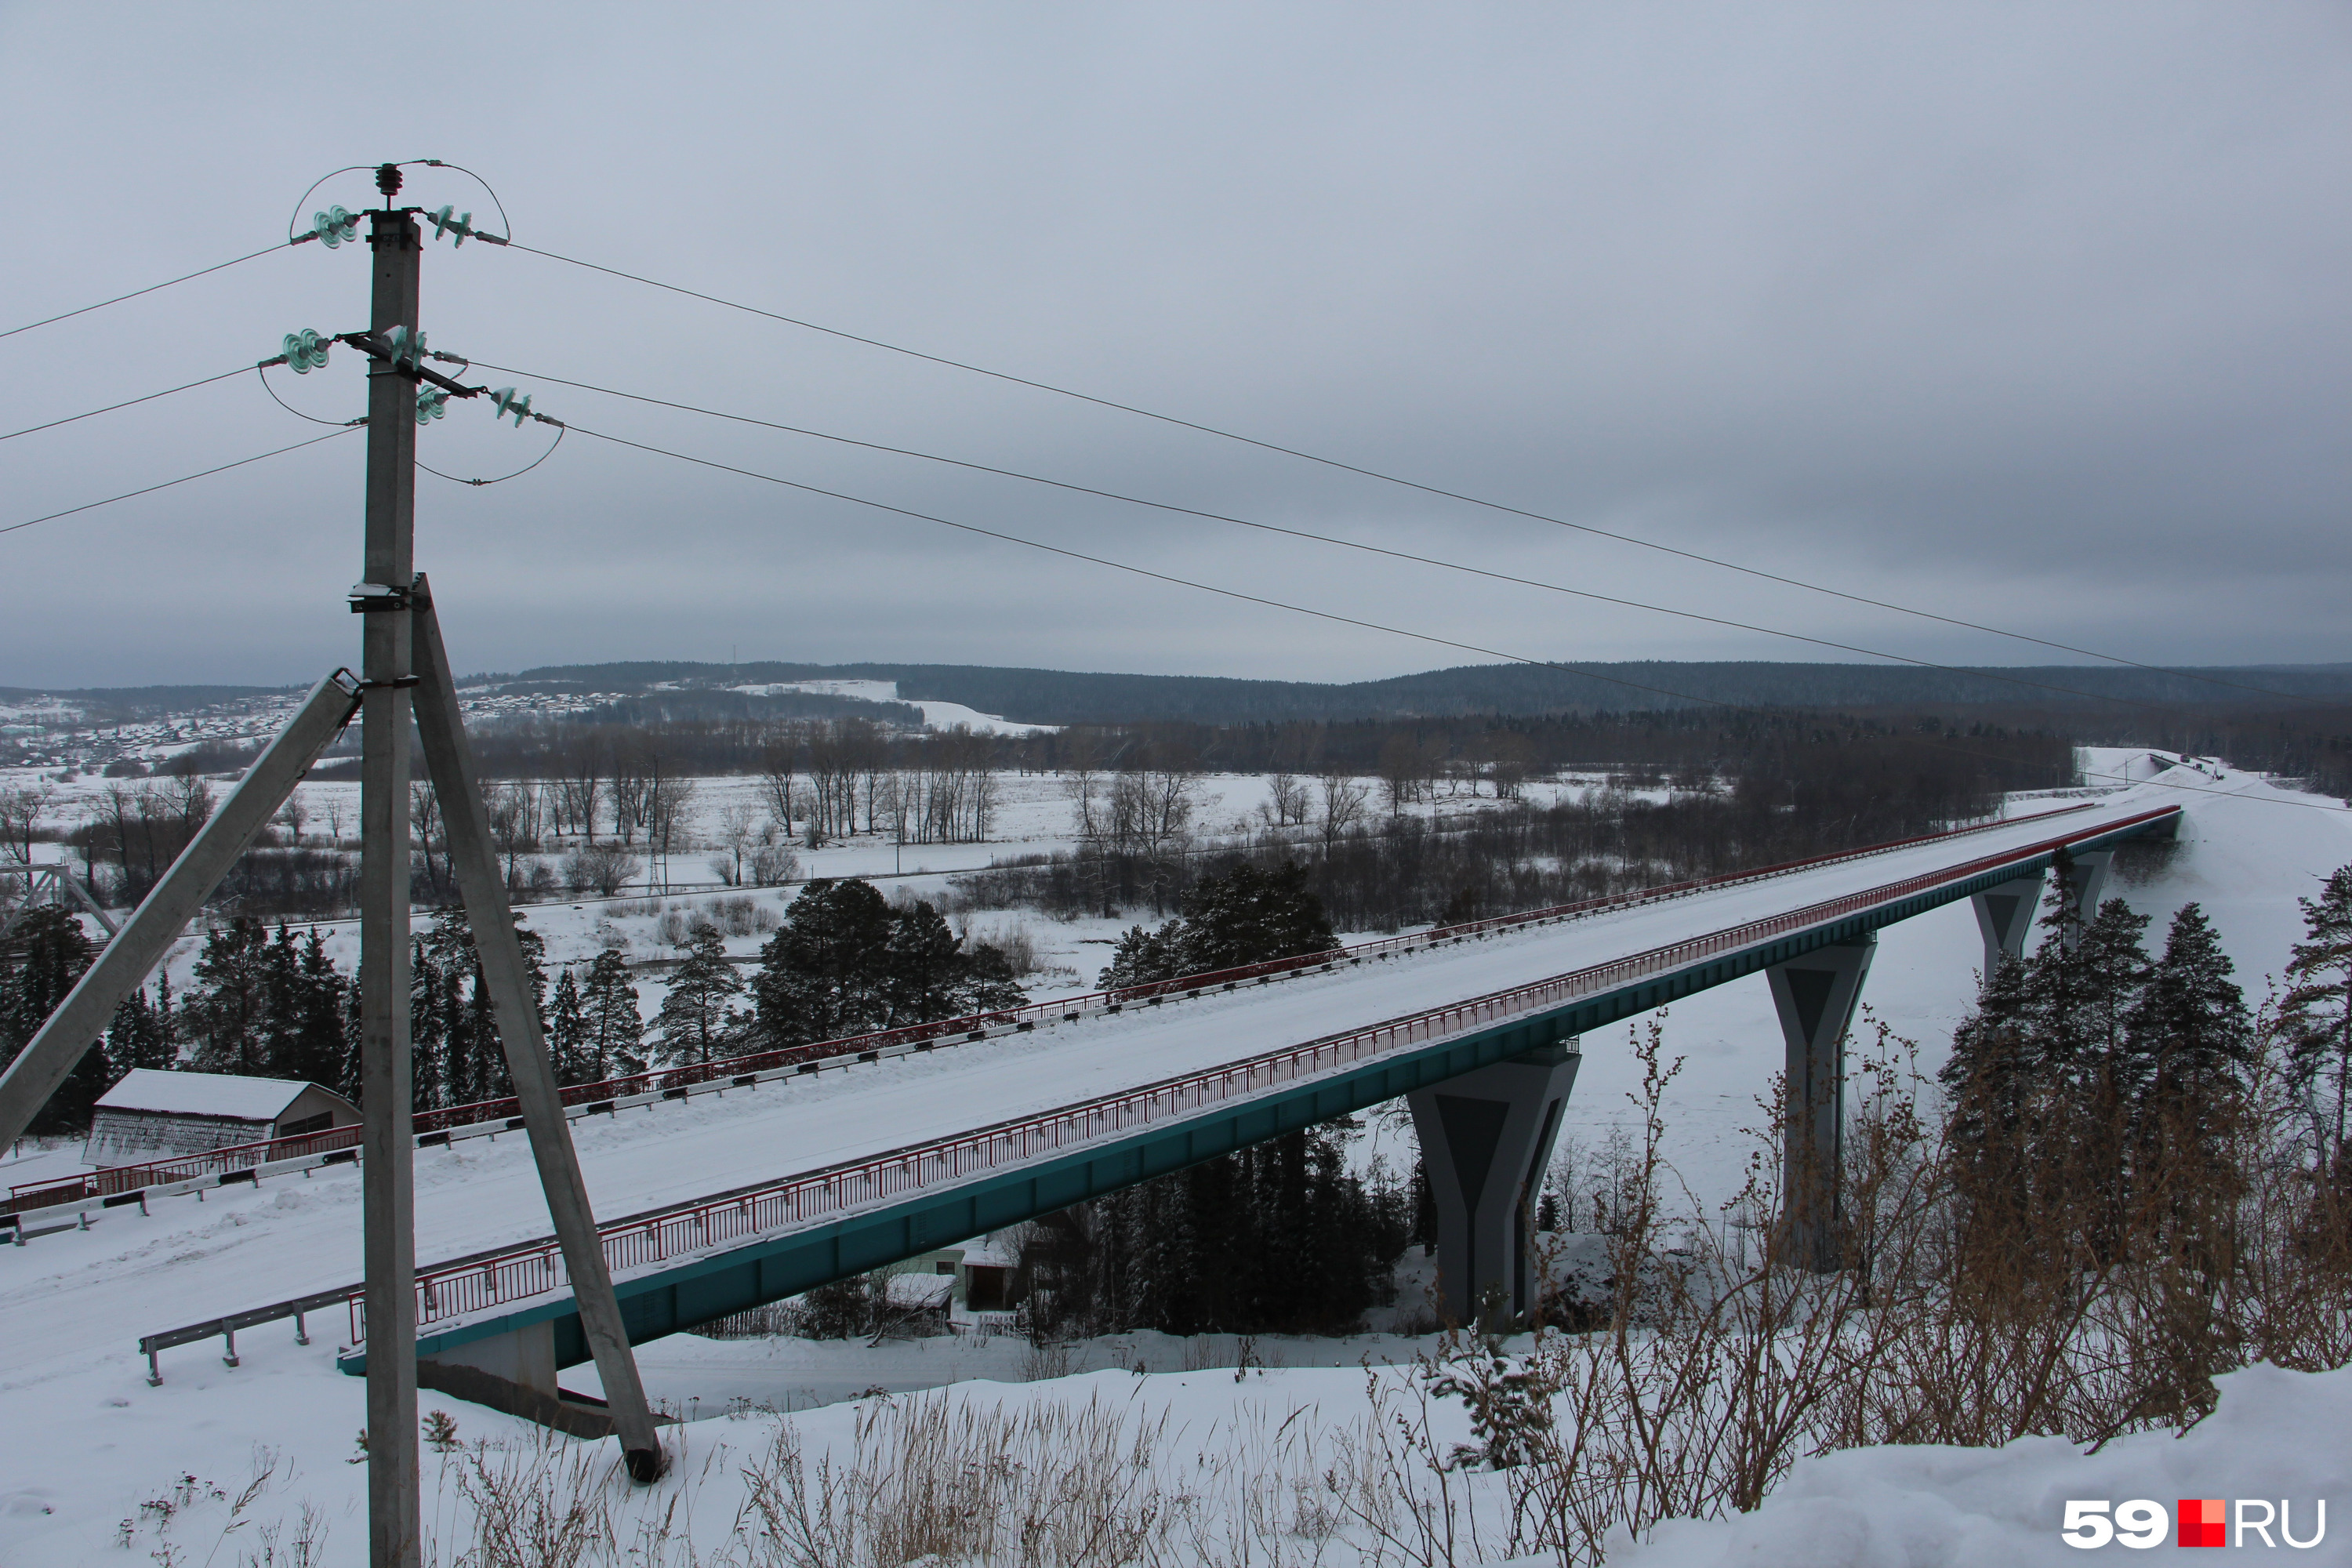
[
  {"x": 824, "y": 975},
  {"x": 2191, "y": 1035},
  {"x": 1249, "y": 916},
  {"x": 1243, "y": 916},
  {"x": 428, "y": 1042},
  {"x": 136, "y": 1037},
  {"x": 1990, "y": 1082},
  {"x": 2189, "y": 1027},
  {"x": 616, "y": 1030},
  {"x": 476, "y": 1063},
  {"x": 2316, "y": 1018},
  {"x": 1143, "y": 957},
  {"x": 569, "y": 1045},
  {"x": 316, "y": 1038},
  {"x": 53, "y": 951},
  {"x": 693, "y": 1023},
  {"x": 923, "y": 969},
  {"x": 231, "y": 1006}
]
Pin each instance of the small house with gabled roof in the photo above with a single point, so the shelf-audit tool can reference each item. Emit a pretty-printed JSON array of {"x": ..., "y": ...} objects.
[{"x": 153, "y": 1114}]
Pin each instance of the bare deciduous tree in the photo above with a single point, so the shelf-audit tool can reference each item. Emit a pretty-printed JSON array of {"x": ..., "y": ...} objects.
[
  {"x": 21, "y": 811},
  {"x": 1339, "y": 808}
]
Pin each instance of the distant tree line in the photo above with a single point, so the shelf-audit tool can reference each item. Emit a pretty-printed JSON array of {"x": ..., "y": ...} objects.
[{"x": 1375, "y": 867}]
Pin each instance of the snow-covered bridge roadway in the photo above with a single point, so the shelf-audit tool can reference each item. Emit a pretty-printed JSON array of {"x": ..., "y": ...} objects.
[{"x": 757, "y": 1192}]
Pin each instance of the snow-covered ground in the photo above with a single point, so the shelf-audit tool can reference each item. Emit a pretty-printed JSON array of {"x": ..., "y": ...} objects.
[
  {"x": 91, "y": 1442},
  {"x": 937, "y": 715}
]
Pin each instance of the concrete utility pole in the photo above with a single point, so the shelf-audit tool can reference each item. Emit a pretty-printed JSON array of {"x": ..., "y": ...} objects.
[
  {"x": 392, "y": 597},
  {"x": 388, "y": 1196}
]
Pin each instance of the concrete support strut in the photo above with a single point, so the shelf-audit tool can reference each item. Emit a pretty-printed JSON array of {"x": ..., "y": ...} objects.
[
  {"x": 451, "y": 764},
  {"x": 1815, "y": 996},
  {"x": 1485, "y": 1138},
  {"x": 2005, "y": 918}
]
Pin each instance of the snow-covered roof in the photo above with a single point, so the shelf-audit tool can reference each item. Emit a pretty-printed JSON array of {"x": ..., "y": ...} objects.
[{"x": 202, "y": 1094}]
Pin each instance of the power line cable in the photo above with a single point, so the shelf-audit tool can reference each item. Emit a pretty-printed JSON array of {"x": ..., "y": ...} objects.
[
  {"x": 1236, "y": 593},
  {"x": 183, "y": 480},
  {"x": 127, "y": 403},
  {"x": 1409, "y": 484},
  {"x": 1322, "y": 539},
  {"x": 262, "y": 371},
  {"x": 167, "y": 283}
]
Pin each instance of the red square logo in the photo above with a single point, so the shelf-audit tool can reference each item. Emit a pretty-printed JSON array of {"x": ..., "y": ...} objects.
[{"x": 2203, "y": 1522}]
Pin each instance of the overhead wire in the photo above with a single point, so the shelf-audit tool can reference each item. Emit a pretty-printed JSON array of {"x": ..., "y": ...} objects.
[
  {"x": 1306, "y": 535},
  {"x": 1385, "y": 477},
  {"x": 183, "y": 479},
  {"x": 127, "y": 403},
  {"x": 135, "y": 293},
  {"x": 1267, "y": 602},
  {"x": 262, "y": 371},
  {"x": 502, "y": 478}
]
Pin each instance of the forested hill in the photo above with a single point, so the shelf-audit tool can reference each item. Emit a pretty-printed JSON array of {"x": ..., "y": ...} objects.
[{"x": 1067, "y": 697}]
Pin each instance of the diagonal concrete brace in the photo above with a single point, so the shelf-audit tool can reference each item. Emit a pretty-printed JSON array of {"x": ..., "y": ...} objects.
[
  {"x": 450, "y": 762},
  {"x": 51, "y": 1055}
]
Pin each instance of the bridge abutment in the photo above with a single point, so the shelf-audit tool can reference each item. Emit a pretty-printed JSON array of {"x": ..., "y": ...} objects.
[
  {"x": 1485, "y": 1138},
  {"x": 1815, "y": 996}
]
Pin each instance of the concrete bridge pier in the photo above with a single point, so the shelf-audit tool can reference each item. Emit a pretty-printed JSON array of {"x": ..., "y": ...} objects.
[
  {"x": 2005, "y": 917},
  {"x": 1485, "y": 1138},
  {"x": 1815, "y": 996},
  {"x": 514, "y": 1372},
  {"x": 2085, "y": 875}
]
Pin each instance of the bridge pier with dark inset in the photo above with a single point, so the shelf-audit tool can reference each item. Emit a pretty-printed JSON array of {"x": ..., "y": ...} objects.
[
  {"x": 2005, "y": 917},
  {"x": 1485, "y": 1138},
  {"x": 2084, "y": 876},
  {"x": 1815, "y": 996}
]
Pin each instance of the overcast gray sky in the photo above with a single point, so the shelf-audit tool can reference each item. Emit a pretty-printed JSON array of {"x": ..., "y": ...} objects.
[{"x": 2032, "y": 314}]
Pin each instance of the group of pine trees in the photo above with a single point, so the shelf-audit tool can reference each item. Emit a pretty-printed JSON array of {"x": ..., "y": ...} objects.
[
  {"x": 2093, "y": 1097},
  {"x": 270, "y": 1003},
  {"x": 1281, "y": 1238}
]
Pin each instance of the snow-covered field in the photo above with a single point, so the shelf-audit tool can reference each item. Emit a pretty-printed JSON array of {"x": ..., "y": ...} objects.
[{"x": 91, "y": 1442}]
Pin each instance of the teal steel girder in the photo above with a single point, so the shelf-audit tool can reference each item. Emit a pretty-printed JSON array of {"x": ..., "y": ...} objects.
[{"x": 702, "y": 1289}]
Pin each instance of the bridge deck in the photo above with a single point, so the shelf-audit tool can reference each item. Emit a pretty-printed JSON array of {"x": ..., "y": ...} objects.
[{"x": 296, "y": 1236}]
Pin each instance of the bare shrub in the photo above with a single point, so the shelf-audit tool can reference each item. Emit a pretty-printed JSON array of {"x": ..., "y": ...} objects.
[
  {"x": 601, "y": 869},
  {"x": 771, "y": 864},
  {"x": 542, "y": 1503},
  {"x": 736, "y": 916},
  {"x": 933, "y": 1478}
]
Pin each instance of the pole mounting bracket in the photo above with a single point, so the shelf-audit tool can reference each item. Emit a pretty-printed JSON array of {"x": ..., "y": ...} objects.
[{"x": 379, "y": 598}]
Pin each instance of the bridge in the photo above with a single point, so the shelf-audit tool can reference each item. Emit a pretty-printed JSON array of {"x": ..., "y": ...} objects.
[{"x": 936, "y": 1135}]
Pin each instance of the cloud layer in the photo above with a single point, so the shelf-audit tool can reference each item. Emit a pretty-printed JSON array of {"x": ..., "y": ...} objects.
[{"x": 2029, "y": 316}]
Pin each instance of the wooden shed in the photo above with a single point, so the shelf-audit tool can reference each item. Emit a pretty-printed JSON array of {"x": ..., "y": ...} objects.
[{"x": 159, "y": 1115}]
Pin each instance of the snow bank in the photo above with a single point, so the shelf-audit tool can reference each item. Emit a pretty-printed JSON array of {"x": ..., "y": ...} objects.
[{"x": 2278, "y": 1436}]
